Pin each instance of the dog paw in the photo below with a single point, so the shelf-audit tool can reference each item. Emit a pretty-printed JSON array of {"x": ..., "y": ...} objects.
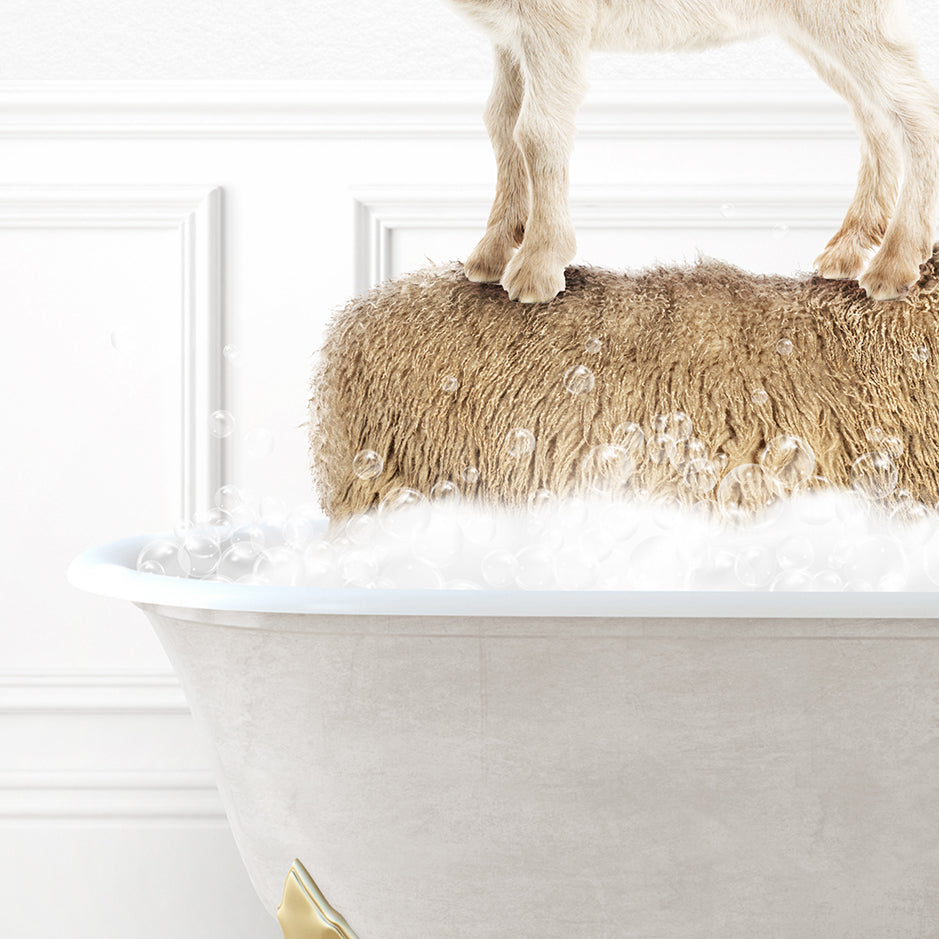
[
  {"x": 889, "y": 277},
  {"x": 487, "y": 261},
  {"x": 533, "y": 278},
  {"x": 842, "y": 259}
]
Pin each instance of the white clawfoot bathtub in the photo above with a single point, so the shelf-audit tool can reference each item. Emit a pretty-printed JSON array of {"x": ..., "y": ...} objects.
[{"x": 457, "y": 764}]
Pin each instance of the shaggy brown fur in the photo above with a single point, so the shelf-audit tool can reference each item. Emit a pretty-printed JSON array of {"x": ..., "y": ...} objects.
[{"x": 697, "y": 339}]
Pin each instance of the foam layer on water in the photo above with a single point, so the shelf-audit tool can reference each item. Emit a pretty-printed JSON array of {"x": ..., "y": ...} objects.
[{"x": 826, "y": 540}]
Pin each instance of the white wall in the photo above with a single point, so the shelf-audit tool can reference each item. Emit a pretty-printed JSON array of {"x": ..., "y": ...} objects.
[{"x": 147, "y": 219}]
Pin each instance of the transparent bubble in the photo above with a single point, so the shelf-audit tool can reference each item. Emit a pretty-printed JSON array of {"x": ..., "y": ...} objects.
[
  {"x": 687, "y": 451},
  {"x": 215, "y": 522},
  {"x": 367, "y": 464},
  {"x": 462, "y": 585},
  {"x": 720, "y": 460},
  {"x": 542, "y": 503},
  {"x": 747, "y": 490},
  {"x": 631, "y": 437},
  {"x": 579, "y": 380},
  {"x": 498, "y": 569},
  {"x": 250, "y": 532},
  {"x": 259, "y": 443},
  {"x": 892, "y": 446},
  {"x": 221, "y": 423},
  {"x": 660, "y": 448},
  {"x": 784, "y": 347},
  {"x": 450, "y": 383},
  {"x": 874, "y": 435},
  {"x": 404, "y": 512},
  {"x": 877, "y": 561},
  {"x": 795, "y": 552},
  {"x": 908, "y": 512},
  {"x": 790, "y": 459},
  {"x": 827, "y": 580},
  {"x": 759, "y": 396},
  {"x": 199, "y": 553},
  {"x": 361, "y": 529},
  {"x": 593, "y": 345},
  {"x": 358, "y": 568},
  {"x": 319, "y": 565},
  {"x": 921, "y": 353},
  {"x": 302, "y": 527},
  {"x": 470, "y": 475},
  {"x": 874, "y": 475},
  {"x": 519, "y": 442},
  {"x": 125, "y": 340},
  {"x": 780, "y": 230},
  {"x": 656, "y": 563},
  {"x": 280, "y": 566},
  {"x": 574, "y": 568},
  {"x": 678, "y": 425},
  {"x": 700, "y": 476},
  {"x": 607, "y": 468},
  {"x": 231, "y": 353},
  {"x": 659, "y": 423},
  {"x": 728, "y": 210},
  {"x": 160, "y": 557},
  {"x": 444, "y": 491},
  {"x": 229, "y": 497},
  {"x": 272, "y": 511},
  {"x": 238, "y": 560},
  {"x": 479, "y": 528},
  {"x": 534, "y": 568},
  {"x": 755, "y": 566},
  {"x": 792, "y": 579}
]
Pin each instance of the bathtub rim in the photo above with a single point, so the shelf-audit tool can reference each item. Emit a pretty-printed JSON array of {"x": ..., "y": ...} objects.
[{"x": 109, "y": 570}]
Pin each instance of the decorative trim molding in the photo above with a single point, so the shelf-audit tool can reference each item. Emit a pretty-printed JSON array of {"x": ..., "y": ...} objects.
[
  {"x": 379, "y": 212},
  {"x": 803, "y": 109},
  {"x": 195, "y": 213}
]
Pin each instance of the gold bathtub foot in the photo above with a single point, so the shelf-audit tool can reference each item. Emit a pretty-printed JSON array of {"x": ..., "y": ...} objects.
[{"x": 304, "y": 912}]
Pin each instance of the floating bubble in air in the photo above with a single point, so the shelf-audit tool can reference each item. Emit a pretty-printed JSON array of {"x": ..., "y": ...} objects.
[
  {"x": 404, "y": 512},
  {"x": 470, "y": 474},
  {"x": 221, "y": 423},
  {"x": 259, "y": 443},
  {"x": 921, "y": 353},
  {"x": 790, "y": 459},
  {"x": 450, "y": 383},
  {"x": 445, "y": 491},
  {"x": 759, "y": 396},
  {"x": 700, "y": 475},
  {"x": 579, "y": 380},
  {"x": 367, "y": 464},
  {"x": 593, "y": 345},
  {"x": 874, "y": 475},
  {"x": 519, "y": 442},
  {"x": 630, "y": 436},
  {"x": 660, "y": 448},
  {"x": 784, "y": 347},
  {"x": 746, "y": 491},
  {"x": 607, "y": 468}
]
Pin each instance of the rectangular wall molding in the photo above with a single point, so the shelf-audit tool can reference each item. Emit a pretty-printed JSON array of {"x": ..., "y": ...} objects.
[
  {"x": 381, "y": 211},
  {"x": 276, "y": 109},
  {"x": 195, "y": 213}
]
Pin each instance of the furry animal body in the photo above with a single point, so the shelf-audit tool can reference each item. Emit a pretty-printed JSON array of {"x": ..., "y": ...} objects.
[
  {"x": 861, "y": 48},
  {"x": 700, "y": 340}
]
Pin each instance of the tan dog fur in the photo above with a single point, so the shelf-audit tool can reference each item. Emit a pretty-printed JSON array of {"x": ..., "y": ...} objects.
[
  {"x": 699, "y": 340},
  {"x": 861, "y": 48}
]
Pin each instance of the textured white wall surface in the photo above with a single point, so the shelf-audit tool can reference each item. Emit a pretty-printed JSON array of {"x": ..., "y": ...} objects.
[
  {"x": 321, "y": 40},
  {"x": 181, "y": 175}
]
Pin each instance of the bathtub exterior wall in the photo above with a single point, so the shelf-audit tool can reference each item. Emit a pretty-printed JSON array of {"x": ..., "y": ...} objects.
[{"x": 474, "y": 777}]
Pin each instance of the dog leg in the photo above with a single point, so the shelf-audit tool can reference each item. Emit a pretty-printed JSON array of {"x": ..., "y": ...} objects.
[
  {"x": 506, "y": 224},
  {"x": 553, "y": 69},
  {"x": 869, "y": 214},
  {"x": 886, "y": 71}
]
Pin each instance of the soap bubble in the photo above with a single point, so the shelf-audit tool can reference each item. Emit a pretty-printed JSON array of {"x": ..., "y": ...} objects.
[
  {"x": 574, "y": 568},
  {"x": 795, "y": 552},
  {"x": 784, "y": 347},
  {"x": 367, "y": 464},
  {"x": 411, "y": 573},
  {"x": 498, "y": 569},
  {"x": 874, "y": 435},
  {"x": 279, "y": 566},
  {"x": 728, "y": 210},
  {"x": 700, "y": 475},
  {"x": 780, "y": 230},
  {"x": 444, "y": 491},
  {"x": 687, "y": 451},
  {"x": 877, "y": 561},
  {"x": 238, "y": 560},
  {"x": 789, "y": 458},
  {"x": 792, "y": 579},
  {"x": 755, "y": 566},
  {"x": 631, "y": 437},
  {"x": 450, "y": 383},
  {"x": 359, "y": 567},
  {"x": 249, "y": 533},
  {"x": 874, "y": 475},
  {"x": 272, "y": 511},
  {"x": 404, "y": 512},
  {"x": 542, "y": 503},
  {"x": 720, "y": 460},
  {"x": 470, "y": 474},
  {"x": 221, "y": 423},
  {"x": 921, "y": 353},
  {"x": 660, "y": 448},
  {"x": 678, "y": 425},
  {"x": 579, "y": 380},
  {"x": 229, "y": 497},
  {"x": 301, "y": 527},
  {"x": 361, "y": 529},
  {"x": 199, "y": 553},
  {"x": 892, "y": 446},
  {"x": 441, "y": 541},
  {"x": 607, "y": 468},
  {"x": 259, "y": 443},
  {"x": 593, "y": 345},
  {"x": 319, "y": 565},
  {"x": 656, "y": 563},
  {"x": 519, "y": 442},
  {"x": 759, "y": 396},
  {"x": 827, "y": 580},
  {"x": 534, "y": 568},
  {"x": 747, "y": 490},
  {"x": 909, "y": 512},
  {"x": 124, "y": 340},
  {"x": 479, "y": 528},
  {"x": 160, "y": 557},
  {"x": 231, "y": 353}
]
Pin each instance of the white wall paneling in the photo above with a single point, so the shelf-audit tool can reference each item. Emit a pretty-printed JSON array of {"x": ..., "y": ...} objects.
[{"x": 328, "y": 188}]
